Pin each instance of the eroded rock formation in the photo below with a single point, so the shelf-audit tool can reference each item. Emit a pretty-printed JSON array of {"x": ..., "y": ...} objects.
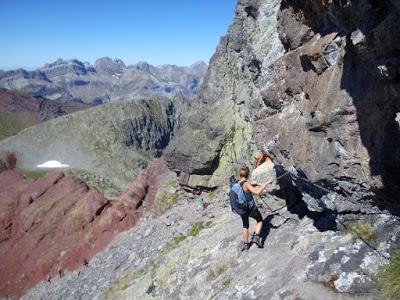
[{"x": 57, "y": 223}]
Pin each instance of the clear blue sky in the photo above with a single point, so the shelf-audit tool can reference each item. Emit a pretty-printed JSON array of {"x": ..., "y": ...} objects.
[{"x": 34, "y": 32}]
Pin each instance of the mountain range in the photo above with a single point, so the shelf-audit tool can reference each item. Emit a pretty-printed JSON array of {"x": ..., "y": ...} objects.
[
  {"x": 315, "y": 85},
  {"x": 104, "y": 81}
]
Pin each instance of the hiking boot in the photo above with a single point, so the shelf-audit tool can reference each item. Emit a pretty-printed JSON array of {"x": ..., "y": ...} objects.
[
  {"x": 257, "y": 240},
  {"x": 244, "y": 246}
]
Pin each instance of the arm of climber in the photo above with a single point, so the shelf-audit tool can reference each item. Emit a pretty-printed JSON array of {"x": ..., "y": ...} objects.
[{"x": 256, "y": 190}]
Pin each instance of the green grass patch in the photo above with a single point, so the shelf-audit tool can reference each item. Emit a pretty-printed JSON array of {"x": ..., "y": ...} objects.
[
  {"x": 174, "y": 243},
  {"x": 33, "y": 174},
  {"x": 226, "y": 283},
  {"x": 363, "y": 230},
  {"x": 128, "y": 280},
  {"x": 389, "y": 279},
  {"x": 198, "y": 227}
]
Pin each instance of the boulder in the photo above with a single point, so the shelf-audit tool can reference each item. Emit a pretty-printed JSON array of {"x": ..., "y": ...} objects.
[{"x": 265, "y": 172}]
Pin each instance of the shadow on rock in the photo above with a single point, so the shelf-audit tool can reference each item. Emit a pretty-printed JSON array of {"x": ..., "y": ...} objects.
[{"x": 296, "y": 192}]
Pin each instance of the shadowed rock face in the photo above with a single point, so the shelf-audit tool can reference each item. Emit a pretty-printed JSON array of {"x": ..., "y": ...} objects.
[
  {"x": 107, "y": 80},
  {"x": 18, "y": 111},
  {"x": 65, "y": 219},
  {"x": 332, "y": 100}
]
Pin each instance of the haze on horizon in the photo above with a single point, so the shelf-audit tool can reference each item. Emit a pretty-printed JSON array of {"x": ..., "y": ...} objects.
[{"x": 159, "y": 32}]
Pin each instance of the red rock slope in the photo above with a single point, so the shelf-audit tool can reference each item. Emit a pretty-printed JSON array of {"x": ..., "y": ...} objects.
[{"x": 57, "y": 222}]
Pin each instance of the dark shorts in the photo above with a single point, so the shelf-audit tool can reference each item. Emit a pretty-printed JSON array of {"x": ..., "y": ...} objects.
[{"x": 252, "y": 213}]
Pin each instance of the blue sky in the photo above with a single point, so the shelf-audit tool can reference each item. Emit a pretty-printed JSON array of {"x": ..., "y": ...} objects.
[{"x": 35, "y": 32}]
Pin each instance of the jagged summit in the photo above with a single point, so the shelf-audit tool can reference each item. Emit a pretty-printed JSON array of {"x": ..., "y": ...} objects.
[{"x": 106, "y": 80}]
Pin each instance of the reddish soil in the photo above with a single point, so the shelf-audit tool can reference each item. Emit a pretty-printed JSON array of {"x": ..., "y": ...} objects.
[{"x": 57, "y": 222}]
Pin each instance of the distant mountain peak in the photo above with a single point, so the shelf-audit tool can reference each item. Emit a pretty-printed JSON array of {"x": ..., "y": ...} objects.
[
  {"x": 109, "y": 65},
  {"x": 107, "y": 79}
]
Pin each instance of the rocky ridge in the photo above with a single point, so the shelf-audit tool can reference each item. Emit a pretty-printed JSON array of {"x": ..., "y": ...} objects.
[
  {"x": 18, "y": 111},
  {"x": 105, "y": 146},
  {"x": 105, "y": 81}
]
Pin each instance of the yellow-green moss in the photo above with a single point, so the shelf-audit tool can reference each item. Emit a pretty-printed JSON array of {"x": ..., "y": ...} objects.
[
  {"x": 198, "y": 227},
  {"x": 363, "y": 230},
  {"x": 52, "y": 232},
  {"x": 174, "y": 243},
  {"x": 226, "y": 283},
  {"x": 167, "y": 195},
  {"x": 389, "y": 279},
  {"x": 128, "y": 280}
]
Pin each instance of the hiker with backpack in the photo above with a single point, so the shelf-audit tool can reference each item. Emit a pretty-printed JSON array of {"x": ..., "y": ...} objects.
[{"x": 242, "y": 203}]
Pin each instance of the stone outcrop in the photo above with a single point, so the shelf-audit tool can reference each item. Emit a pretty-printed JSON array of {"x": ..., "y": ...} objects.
[
  {"x": 106, "y": 146},
  {"x": 18, "y": 111},
  {"x": 332, "y": 98},
  {"x": 216, "y": 134},
  {"x": 107, "y": 80}
]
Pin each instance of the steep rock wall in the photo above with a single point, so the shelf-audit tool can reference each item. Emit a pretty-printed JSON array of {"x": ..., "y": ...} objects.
[
  {"x": 216, "y": 134},
  {"x": 316, "y": 84},
  {"x": 331, "y": 105}
]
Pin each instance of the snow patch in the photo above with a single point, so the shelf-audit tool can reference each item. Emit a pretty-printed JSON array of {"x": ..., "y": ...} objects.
[{"x": 52, "y": 164}]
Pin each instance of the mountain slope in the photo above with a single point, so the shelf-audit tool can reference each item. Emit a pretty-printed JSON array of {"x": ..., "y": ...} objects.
[
  {"x": 105, "y": 145},
  {"x": 18, "y": 111},
  {"x": 107, "y": 80}
]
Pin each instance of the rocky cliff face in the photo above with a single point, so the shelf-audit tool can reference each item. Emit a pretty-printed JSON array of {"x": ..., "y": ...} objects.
[
  {"x": 331, "y": 101},
  {"x": 105, "y": 146},
  {"x": 316, "y": 84},
  {"x": 216, "y": 134},
  {"x": 107, "y": 80},
  {"x": 18, "y": 111}
]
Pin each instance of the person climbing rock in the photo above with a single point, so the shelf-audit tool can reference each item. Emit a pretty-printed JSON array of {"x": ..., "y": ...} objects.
[{"x": 242, "y": 203}]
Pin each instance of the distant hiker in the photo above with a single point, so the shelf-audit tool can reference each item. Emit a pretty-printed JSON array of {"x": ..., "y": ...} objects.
[
  {"x": 261, "y": 158},
  {"x": 242, "y": 203}
]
